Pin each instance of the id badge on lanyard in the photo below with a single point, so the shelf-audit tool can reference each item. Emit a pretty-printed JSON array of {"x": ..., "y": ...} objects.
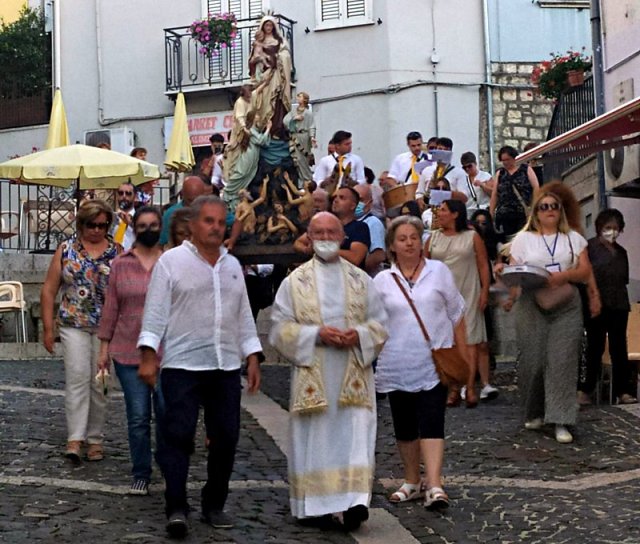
[{"x": 554, "y": 266}]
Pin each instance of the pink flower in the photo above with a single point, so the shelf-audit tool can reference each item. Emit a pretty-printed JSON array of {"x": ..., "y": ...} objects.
[{"x": 223, "y": 45}]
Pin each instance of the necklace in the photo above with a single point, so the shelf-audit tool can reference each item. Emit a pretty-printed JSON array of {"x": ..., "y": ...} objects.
[{"x": 410, "y": 278}]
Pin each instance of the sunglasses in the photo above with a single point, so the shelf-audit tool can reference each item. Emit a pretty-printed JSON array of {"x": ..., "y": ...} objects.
[
  {"x": 102, "y": 226},
  {"x": 123, "y": 193},
  {"x": 546, "y": 207}
]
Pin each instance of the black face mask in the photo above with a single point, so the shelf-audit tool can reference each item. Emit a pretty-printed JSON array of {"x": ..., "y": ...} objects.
[{"x": 148, "y": 238}]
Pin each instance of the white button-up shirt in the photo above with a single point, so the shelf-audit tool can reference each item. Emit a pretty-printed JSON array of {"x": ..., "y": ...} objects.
[
  {"x": 326, "y": 164},
  {"x": 456, "y": 177},
  {"x": 401, "y": 166},
  {"x": 405, "y": 363},
  {"x": 199, "y": 312}
]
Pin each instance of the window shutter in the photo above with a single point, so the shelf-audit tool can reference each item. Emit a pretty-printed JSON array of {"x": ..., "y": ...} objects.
[
  {"x": 255, "y": 9},
  {"x": 214, "y": 6},
  {"x": 356, "y": 8},
  {"x": 235, "y": 7},
  {"x": 330, "y": 10}
]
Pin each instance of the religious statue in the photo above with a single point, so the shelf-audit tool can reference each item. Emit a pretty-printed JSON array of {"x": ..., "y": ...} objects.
[
  {"x": 279, "y": 226},
  {"x": 302, "y": 131},
  {"x": 245, "y": 210},
  {"x": 305, "y": 197},
  {"x": 270, "y": 71}
]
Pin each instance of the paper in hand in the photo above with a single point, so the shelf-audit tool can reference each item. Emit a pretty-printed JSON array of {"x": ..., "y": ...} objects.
[
  {"x": 421, "y": 165},
  {"x": 437, "y": 197}
]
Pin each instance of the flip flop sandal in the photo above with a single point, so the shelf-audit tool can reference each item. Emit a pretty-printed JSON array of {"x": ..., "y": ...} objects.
[{"x": 407, "y": 492}]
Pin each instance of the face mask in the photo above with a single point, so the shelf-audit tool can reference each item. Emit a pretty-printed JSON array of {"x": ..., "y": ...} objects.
[
  {"x": 359, "y": 210},
  {"x": 327, "y": 250},
  {"x": 610, "y": 235},
  {"x": 148, "y": 238}
]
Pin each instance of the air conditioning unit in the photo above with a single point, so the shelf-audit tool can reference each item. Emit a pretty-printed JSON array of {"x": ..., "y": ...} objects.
[
  {"x": 622, "y": 165},
  {"x": 118, "y": 139}
]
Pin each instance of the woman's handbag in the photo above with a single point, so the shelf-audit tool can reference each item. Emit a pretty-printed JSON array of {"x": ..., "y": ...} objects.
[
  {"x": 550, "y": 298},
  {"x": 450, "y": 365}
]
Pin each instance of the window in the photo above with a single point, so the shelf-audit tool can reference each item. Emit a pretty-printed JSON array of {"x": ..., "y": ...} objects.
[
  {"x": 578, "y": 4},
  {"x": 242, "y": 9},
  {"x": 343, "y": 13}
]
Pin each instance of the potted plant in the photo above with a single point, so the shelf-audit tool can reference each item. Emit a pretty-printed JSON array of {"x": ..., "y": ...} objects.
[
  {"x": 214, "y": 33},
  {"x": 552, "y": 77}
]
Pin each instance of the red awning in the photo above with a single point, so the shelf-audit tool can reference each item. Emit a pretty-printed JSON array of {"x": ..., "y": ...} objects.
[{"x": 604, "y": 132}]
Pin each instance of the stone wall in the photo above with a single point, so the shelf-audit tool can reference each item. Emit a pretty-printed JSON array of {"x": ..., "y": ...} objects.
[{"x": 519, "y": 115}]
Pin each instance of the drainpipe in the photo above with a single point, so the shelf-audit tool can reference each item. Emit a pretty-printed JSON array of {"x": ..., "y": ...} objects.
[
  {"x": 487, "y": 87},
  {"x": 435, "y": 59},
  {"x": 598, "y": 87},
  {"x": 57, "y": 69}
]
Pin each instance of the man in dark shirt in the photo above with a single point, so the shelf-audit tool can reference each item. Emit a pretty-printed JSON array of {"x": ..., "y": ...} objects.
[{"x": 356, "y": 242}]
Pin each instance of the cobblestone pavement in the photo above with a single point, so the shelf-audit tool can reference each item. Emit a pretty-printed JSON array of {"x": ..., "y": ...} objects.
[{"x": 506, "y": 484}]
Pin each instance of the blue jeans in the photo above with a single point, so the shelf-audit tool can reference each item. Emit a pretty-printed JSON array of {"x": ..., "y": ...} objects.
[{"x": 138, "y": 397}]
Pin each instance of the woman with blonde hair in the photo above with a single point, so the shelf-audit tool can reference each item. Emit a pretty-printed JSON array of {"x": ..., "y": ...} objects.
[
  {"x": 549, "y": 320},
  {"x": 80, "y": 269},
  {"x": 418, "y": 294}
]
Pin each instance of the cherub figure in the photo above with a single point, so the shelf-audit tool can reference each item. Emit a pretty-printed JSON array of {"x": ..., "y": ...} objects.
[{"x": 245, "y": 210}]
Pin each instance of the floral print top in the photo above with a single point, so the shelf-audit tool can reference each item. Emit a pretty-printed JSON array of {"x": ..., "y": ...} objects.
[{"x": 83, "y": 284}]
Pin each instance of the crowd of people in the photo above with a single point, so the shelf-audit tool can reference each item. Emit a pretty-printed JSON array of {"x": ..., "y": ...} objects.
[{"x": 378, "y": 287}]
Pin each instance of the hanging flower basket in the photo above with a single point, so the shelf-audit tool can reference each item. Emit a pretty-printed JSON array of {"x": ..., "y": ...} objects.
[
  {"x": 552, "y": 77},
  {"x": 214, "y": 33}
]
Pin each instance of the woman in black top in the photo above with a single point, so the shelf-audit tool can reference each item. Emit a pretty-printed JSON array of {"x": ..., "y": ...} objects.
[
  {"x": 512, "y": 191},
  {"x": 611, "y": 269}
]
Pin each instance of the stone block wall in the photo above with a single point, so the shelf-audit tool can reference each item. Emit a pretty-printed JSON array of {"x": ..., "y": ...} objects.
[{"x": 519, "y": 115}]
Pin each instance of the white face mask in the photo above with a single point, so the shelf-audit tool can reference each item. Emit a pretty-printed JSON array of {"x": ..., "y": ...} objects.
[
  {"x": 610, "y": 235},
  {"x": 327, "y": 250}
]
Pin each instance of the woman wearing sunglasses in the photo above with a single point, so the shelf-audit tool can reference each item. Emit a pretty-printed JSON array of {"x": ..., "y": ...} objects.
[
  {"x": 549, "y": 320},
  {"x": 80, "y": 269}
]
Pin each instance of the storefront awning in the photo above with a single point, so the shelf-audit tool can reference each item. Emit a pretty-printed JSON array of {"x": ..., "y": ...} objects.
[{"x": 607, "y": 131}]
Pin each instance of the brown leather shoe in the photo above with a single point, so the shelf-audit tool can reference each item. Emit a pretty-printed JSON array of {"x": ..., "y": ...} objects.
[
  {"x": 95, "y": 452},
  {"x": 73, "y": 450}
]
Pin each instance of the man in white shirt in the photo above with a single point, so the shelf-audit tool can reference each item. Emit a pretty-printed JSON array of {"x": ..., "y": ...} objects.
[
  {"x": 403, "y": 166},
  {"x": 453, "y": 174},
  {"x": 342, "y": 159},
  {"x": 201, "y": 360},
  {"x": 479, "y": 184}
]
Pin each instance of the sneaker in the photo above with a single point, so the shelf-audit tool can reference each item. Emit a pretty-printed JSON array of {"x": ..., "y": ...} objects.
[
  {"x": 463, "y": 392},
  {"x": 217, "y": 519},
  {"x": 534, "y": 424},
  {"x": 488, "y": 392},
  {"x": 584, "y": 399},
  {"x": 139, "y": 487},
  {"x": 436, "y": 499},
  {"x": 625, "y": 398},
  {"x": 177, "y": 525},
  {"x": 563, "y": 436}
]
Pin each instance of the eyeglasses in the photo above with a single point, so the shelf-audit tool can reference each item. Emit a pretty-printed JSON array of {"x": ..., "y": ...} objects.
[
  {"x": 467, "y": 166},
  {"x": 544, "y": 207},
  {"x": 123, "y": 193},
  {"x": 91, "y": 225}
]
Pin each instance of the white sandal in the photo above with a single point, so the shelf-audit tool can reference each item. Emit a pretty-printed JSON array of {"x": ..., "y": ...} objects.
[{"x": 407, "y": 492}]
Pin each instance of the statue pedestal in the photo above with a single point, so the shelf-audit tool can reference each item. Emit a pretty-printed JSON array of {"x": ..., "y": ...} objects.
[{"x": 268, "y": 254}]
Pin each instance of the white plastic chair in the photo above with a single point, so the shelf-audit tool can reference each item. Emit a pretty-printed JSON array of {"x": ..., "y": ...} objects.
[{"x": 12, "y": 300}]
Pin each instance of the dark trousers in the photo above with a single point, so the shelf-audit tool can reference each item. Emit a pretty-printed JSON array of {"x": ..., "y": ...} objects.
[
  {"x": 184, "y": 392},
  {"x": 614, "y": 324}
]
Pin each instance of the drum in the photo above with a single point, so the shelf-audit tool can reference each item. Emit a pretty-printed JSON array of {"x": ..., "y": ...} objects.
[
  {"x": 399, "y": 195},
  {"x": 524, "y": 275}
]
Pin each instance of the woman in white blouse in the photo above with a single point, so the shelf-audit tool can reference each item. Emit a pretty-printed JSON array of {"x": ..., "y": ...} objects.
[
  {"x": 405, "y": 366},
  {"x": 549, "y": 320}
]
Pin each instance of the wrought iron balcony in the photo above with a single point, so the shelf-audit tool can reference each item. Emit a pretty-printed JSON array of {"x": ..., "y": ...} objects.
[
  {"x": 575, "y": 107},
  {"x": 187, "y": 69}
]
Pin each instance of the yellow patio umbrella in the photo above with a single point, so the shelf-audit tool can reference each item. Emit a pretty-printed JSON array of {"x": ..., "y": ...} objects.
[
  {"x": 58, "y": 135},
  {"x": 179, "y": 155},
  {"x": 91, "y": 167}
]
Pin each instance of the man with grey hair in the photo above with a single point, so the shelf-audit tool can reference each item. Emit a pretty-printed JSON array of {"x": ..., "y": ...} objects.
[
  {"x": 327, "y": 320},
  {"x": 201, "y": 364}
]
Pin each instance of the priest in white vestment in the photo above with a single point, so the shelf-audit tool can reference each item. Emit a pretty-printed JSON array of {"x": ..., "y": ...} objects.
[{"x": 327, "y": 320}]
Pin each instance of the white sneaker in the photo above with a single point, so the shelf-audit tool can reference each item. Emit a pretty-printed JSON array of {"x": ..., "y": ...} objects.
[
  {"x": 488, "y": 392},
  {"x": 534, "y": 424},
  {"x": 563, "y": 436},
  {"x": 463, "y": 392}
]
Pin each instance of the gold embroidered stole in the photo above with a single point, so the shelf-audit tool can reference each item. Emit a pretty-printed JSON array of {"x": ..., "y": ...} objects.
[{"x": 307, "y": 388}]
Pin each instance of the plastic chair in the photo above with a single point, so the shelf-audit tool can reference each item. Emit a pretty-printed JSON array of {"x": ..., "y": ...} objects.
[{"x": 12, "y": 300}]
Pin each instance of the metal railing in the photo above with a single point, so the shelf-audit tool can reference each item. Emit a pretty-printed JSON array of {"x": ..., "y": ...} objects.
[
  {"x": 36, "y": 218},
  {"x": 575, "y": 107},
  {"x": 187, "y": 68}
]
